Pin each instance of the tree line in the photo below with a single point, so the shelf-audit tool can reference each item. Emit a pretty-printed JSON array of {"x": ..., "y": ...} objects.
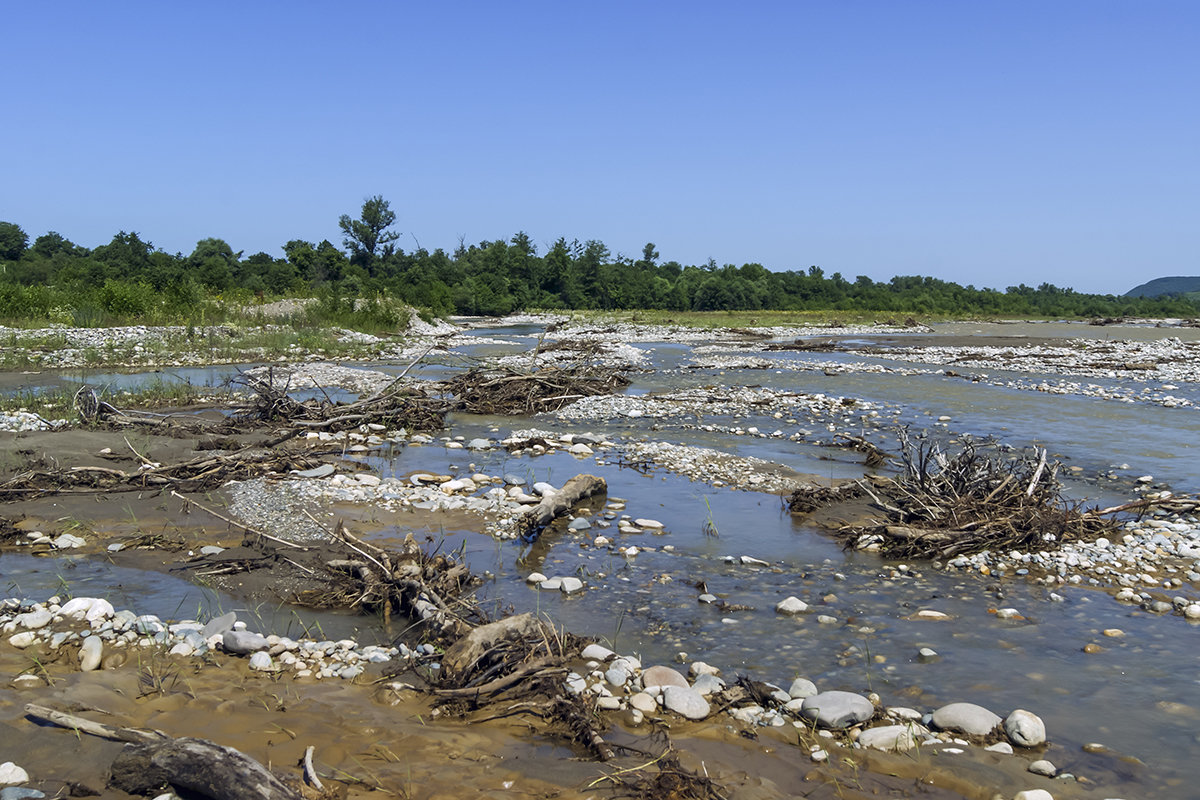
[{"x": 129, "y": 275}]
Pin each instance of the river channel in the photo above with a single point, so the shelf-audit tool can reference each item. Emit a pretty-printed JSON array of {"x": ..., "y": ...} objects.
[{"x": 1139, "y": 696}]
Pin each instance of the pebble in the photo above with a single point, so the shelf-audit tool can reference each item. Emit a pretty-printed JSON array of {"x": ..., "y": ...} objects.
[
  {"x": 571, "y": 585},
  {"x": 91, "y": 653},
  {"x": 890, "y": 737},
  {"x": 20, "y": 793},
  {"x": 11, "y": 774},
  {"x": 685, "y": 701},
  {"x": 593, "y": 652},
  {"x": 68, "y": 541},
  {"x": 23, "y": 639},
  {"x": 1025, "y": 728},
  {"x": 262, "y": 662},
  {"x": 802, "y": 688},
  {"x": 243, "y": 642},
  {"x": 791, "y": 606},
  {"x": 966, "y": 718},
  {"x": 644, "y": 702},
  {"x": 1043, "y": 767},
  {"x": 836, "y": 709},
  {"x": 1033, "y": 794},
  {"x": 662, "y": 676}
]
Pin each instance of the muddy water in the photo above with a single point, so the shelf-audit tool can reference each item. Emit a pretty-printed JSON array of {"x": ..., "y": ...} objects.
[{"x": 1139, "y": 695}]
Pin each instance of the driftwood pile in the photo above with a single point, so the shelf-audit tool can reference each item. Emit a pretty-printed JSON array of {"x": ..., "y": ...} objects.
[
  {"x": 549, "y": 388},
  {"x": 947, "y": 505},
  {"x": 397, "y": 406},
  {"x": 201, "y": 473}
]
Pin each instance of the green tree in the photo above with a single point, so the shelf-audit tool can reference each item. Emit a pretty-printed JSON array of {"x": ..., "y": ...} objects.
[
  {"x": 13, "y": 241},
  {"x": 368, "y": 236}
]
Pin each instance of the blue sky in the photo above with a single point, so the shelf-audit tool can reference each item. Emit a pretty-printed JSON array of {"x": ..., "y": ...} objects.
[{"x": 988, "y": 143}]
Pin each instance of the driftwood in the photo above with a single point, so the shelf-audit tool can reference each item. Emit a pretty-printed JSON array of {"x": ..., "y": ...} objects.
[
  {"x": 549, "y": 388},
  {"x": 203, "y": 472},
  {"x": 531, "y": 523},
  {"x": 152, "y": 760},
  {"x": 398, "y": 405},
  {"x": 943, "y": 505},
  {"x": 198, "y": 766}
]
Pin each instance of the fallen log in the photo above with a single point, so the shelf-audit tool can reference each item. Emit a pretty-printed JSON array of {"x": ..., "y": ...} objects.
[
  {"x": 552, "y": 506},
  {"x": 152, "y": 760},
  {"x": 198, "y": 766}
]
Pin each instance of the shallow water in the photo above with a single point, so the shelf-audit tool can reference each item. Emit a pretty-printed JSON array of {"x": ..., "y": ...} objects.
[{"x": 1140, "y": 695}]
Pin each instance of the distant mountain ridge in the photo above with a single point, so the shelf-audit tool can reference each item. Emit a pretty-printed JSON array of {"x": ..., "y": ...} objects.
[{"x": 1161, "y": 286}]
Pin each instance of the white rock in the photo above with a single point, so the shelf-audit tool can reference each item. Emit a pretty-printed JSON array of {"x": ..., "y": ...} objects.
[
  {"x": 23, "y": 639},
  {"x": 597, "y": 652},
  {"x": 262, "y": 662},
  {"x": 1033, "y": 794},
  {"x": 1025, "y": 728},
  {"x": 579, "y": 450},
  {"x": 1043, "y": 767},
  {"x": 965, "y": 718},
  {"x": 34, "y": 619},
  {"x": 90, "y": 653},
  {"x": 535, "y": 577},
  {"x": 571, "y": 585},
  {"x": 12, "y": 775},
  {"x": 651, "y": 524},
  {"x": 791, "y": 605},
  {"x": 685, "y": 701},
  {"x": 643, "y": 702},
  {"x": 801, "y": 688},
  {"x": 891, "y": 737}
]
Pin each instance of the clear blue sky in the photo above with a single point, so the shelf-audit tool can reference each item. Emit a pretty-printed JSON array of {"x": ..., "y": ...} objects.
[{"x": 985, "y": 142}]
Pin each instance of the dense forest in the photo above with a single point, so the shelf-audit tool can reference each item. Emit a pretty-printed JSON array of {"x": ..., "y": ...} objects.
[{"x": 54, "y": 278}]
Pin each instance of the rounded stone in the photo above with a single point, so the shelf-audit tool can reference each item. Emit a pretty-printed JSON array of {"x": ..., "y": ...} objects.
[
  {"x": 262, "y": 662},
  {"x": 1033, "y": 794},
  {"x": 708, "y": 684},
  {"x": 890, "y": 737},
  {"x": 11, "y": 774},
  {"x": 791, "y": 606},
  {"x": 967, "y": 718},
  {"x": 243, "y": 642},
  {"x": 23, "y": 639},
  {"x": 685, "y": 701},
  {"x": 1043, "y": 767},
  {"x": 571, "y": 585},
  {"x": 1024, "y": 728},
  {"x": 663, "y": 676},
  {"x": 837, "y": 710},
  {"x": 595, "y": 652},
  {"x": 643, "y": 702},
  {"x": 801, "y": 688},
  {"x": 90, "y": 653}
]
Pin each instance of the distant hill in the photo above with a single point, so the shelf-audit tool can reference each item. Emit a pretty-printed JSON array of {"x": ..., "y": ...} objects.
[{"x": 1161, "y": 286}]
